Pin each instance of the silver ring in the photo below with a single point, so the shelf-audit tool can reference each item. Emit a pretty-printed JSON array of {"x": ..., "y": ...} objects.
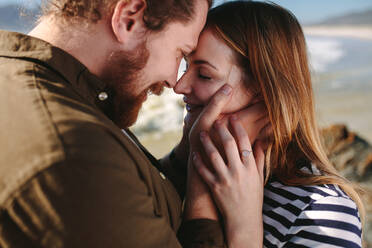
[{"x": 245, "y": 153}]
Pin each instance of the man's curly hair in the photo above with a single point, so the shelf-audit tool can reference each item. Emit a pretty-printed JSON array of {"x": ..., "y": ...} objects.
[{"x": 157, "y": 14}]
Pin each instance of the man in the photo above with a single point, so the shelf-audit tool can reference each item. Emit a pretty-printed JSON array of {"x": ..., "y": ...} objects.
[{"x": 69, "y": 177}]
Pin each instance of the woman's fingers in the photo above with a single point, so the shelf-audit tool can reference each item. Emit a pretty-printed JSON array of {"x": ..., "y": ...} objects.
[
  {"x": 254, "y": 118},
  {"x": 213, "y": 154},
  {"x": 203, "y": 171},
  {"x": 214, "y": 107},
  {"x": 252, "y": 113},
  {"x": 229, "y": 144},
  {"x": 243, "y": 141}
]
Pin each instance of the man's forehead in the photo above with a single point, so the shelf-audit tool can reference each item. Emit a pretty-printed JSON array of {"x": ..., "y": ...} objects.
[{"x": 201, "y": 13}]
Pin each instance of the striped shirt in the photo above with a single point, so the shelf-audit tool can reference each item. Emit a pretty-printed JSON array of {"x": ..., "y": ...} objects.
[{"x": 309, "y": 216}]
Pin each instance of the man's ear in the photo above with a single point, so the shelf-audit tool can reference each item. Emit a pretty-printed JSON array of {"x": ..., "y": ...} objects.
[{"x": 127, "y": 19}]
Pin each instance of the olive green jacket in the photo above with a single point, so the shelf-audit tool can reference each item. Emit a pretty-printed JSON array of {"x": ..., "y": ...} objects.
[{"x": 69, "y": 177}]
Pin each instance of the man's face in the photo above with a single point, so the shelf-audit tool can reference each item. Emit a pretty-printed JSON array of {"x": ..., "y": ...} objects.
[
  {"x": 168, "y": 47},
  {"x": 152, "y": 65}
]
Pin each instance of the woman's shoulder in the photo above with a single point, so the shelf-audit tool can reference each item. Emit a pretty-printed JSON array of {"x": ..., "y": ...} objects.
[
  {"x": 305, "y": 193},
  {"x": 310, "y": 215},
  {"x": 296, "y": 199},
  {"x": 301, "y": 196}
]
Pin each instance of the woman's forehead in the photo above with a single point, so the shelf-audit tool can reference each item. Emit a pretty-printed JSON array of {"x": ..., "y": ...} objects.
[{"x": 212, "y": 49}]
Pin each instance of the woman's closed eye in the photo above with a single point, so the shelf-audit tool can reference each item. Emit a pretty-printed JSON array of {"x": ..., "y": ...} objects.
[
  {"x": 204, "y": 74},
  {"x": 204, "y": 77},
  {"x": 200, "y": 72}
]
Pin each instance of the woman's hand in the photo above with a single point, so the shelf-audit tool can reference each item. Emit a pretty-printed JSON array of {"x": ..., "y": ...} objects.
[
  {"x": 237, "y": 184},
  {"x": 199, "y": 203},
  {"x": 254, "y": 119}
]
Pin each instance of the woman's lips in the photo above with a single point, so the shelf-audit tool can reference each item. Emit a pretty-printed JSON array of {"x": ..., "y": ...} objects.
[{"x": 190, "y": 106}]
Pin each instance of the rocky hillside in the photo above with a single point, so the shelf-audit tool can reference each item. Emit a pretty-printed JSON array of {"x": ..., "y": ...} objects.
[
  {"x": 363, "y": 18},
  {"x": 352, "y": 156}
]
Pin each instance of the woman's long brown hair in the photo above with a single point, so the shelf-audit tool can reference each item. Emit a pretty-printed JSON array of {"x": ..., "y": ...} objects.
[{"x": 270, "y": 47}]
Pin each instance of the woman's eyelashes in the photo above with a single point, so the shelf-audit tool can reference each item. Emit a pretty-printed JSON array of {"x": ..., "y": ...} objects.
[
  {"x": 201, "y": 75},
  {"x": 204, "y": 77},
  {"x": 204, "y": 74}
]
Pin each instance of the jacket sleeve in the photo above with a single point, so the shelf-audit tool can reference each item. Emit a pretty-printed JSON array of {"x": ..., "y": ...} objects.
[
  {"x": 91, "y": 200},
  {"x": 200, "y": 233}
]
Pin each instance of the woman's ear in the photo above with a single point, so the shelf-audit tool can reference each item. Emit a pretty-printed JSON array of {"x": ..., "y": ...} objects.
[{"x": 127, "y": 20}]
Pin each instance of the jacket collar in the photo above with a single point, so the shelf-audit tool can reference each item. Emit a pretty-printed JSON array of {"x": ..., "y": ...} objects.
[{"x": 21, "y": 46}]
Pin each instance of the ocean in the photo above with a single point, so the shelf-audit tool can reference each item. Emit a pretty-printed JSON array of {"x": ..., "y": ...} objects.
[{"x": 342, "y": 81}]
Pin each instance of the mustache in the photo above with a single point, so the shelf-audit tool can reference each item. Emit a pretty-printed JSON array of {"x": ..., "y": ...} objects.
[{"x": 156, "y": 89}]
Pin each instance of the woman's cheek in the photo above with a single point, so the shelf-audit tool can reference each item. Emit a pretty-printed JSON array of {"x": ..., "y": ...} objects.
[
  {"x": 239, "y": 100},
  {"x": 206, "y": 92}
]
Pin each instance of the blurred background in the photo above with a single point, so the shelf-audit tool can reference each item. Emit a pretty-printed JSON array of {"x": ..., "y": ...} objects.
[{"x": 339, "y": 40}]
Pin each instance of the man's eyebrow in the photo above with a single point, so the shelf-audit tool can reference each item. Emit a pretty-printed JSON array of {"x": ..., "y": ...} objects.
[{"x": 203, "y": 62}]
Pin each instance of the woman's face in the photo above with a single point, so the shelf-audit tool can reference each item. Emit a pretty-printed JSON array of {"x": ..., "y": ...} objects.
[{"x": 210, "y": 67}]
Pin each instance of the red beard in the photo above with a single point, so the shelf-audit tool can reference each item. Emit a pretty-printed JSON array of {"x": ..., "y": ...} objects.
[
  {"x": 127, "y": 107},
  {"x": 123, "y": 74}
]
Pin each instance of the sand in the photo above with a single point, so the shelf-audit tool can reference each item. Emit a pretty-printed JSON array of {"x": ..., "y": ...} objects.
[{"x": 352, "y": 108}]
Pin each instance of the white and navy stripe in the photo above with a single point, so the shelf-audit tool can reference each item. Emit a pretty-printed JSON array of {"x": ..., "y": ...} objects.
[{"x": 310, "y": 216}]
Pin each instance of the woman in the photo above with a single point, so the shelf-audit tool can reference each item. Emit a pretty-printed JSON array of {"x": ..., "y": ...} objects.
[{"x": 259, "y": 50}]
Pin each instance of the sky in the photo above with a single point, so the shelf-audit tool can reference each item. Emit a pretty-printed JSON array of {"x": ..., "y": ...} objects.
[
  {"x": 307, "y": 11},
  {"x": 313, "y": 11}
]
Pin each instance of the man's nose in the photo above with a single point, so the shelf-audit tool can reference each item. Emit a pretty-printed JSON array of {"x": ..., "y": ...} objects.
[
  {"x": 172, "y": 80},
  {"x": 182, "y": 86}
]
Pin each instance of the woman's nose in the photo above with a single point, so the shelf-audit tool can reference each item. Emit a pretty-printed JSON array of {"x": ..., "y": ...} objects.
[{"x": 183, "y": 86}]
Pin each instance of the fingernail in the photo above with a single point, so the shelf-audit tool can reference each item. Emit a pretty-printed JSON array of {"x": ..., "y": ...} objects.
[
  {"x": 218, "y": 122},
  {"x": 203, "y": 134},
  {"x": 226, "y": 90},
  {"x": 194, "y": 156}
]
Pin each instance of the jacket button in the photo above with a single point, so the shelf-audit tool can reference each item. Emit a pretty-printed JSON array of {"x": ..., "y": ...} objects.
[
  {"x": 162, "y": 175},
  {"x": 103, "y": 96}
]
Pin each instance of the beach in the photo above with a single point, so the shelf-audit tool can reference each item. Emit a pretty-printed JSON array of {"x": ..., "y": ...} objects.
[{"x": 342, "y": 78}]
